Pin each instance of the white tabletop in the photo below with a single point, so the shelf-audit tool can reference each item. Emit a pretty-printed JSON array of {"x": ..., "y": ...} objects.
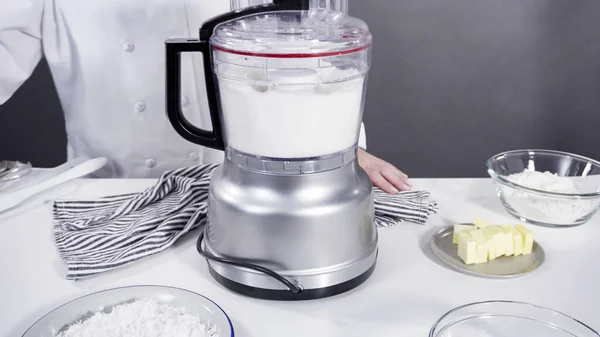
[{"x": 407, "y": 293}]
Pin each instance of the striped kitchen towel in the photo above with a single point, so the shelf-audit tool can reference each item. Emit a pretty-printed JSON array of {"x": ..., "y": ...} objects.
[{"x": 94, "y": 236}]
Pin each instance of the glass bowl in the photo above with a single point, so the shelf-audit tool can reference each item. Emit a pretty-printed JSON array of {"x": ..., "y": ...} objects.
[
  {"x": 506, "y": 319},
  {"x": 84, "y": 307},
  {"x": 568, "y": 197}
]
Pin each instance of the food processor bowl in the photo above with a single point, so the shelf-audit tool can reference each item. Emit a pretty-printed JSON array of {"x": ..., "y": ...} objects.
[{"x": 291, "y": 84}]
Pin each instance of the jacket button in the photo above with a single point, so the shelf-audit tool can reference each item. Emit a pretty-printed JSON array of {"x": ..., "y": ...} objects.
[
  {"x": 184, "y": 101},
  {"x": 193, "y": 156},
  {"x": 140, "y": 106},
  {"x": 150, "y": 163},
  {"x": 128, "y": 47}
]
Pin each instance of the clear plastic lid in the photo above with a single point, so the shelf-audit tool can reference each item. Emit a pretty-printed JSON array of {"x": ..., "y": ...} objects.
[
  {"x": 336, "y": 5},
  {"x": 318, "y": 32}
]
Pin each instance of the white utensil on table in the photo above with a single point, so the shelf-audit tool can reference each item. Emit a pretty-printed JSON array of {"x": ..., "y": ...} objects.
[
  {"x": 39, "y": 199},
  {"x": 11, "y": 200}
]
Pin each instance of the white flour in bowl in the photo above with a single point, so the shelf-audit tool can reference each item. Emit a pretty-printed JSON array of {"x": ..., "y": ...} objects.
[
  {"x": 545, "y": 181},
  {"x": 543, "y": 209},
  {"x": 142, "y": 318}
]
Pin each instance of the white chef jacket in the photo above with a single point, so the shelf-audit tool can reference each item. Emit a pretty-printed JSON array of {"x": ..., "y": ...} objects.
[{"x": 107, "y": 62}]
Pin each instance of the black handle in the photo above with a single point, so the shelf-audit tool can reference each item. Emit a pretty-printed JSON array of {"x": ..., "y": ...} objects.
[
  {"x": 174, "y": 47},
  {"x": 187, "y": 130},
  {"x": 292, "y": 287}
]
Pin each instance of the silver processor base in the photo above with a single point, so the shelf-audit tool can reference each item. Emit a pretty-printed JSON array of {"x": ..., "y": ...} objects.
[{"x": 316, "y": 229}]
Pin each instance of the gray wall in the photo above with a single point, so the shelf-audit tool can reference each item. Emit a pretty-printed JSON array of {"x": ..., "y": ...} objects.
[{"x": 453, "y": 82}]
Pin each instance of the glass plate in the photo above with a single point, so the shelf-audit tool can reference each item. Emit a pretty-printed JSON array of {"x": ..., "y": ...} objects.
[{"x": 507, "y": 319}]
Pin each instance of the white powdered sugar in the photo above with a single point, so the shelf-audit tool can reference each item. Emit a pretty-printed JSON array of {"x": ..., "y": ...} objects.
[
  {"x": 550, "y": 210},
  {"x": 141, "y": 318}
]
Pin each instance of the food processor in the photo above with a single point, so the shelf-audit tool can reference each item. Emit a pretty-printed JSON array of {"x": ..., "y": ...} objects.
[{"x": 290, "y": 212}]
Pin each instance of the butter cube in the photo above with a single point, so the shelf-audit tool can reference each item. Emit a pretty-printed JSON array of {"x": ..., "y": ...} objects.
[
  {"x": 478, "y": 235},
  {"x": 482, "y": 249},
  {"x": 517, "y": 241},
  {"x": 527, "y": 235},
  {"x": 491, "y": 243},
  {"x": 467, "y": 248},
  {"x": 460, "y": 229},
  {"x": 498, "y": 234},
  {"x": 480, "y": 223},
  {"x": 509, "y": 246},
  {"x": 484, "y": 245}
]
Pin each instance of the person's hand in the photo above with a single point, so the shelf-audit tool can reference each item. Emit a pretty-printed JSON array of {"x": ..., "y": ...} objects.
[{"x": 383, "y": 174}]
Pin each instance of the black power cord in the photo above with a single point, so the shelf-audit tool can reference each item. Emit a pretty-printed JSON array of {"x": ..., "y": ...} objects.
[{"x": 292, "y": 287}]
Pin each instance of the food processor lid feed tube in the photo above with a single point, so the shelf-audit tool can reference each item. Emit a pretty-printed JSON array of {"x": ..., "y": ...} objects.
[
  {"x": 336, "y": 5},
  {"x": 208, "y": 27}
]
